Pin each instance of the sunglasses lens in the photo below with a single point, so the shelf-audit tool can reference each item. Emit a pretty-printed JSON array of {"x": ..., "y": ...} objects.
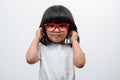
[
  {"x": 63, "y": 26},
  {"x": 50, "y": 26}
]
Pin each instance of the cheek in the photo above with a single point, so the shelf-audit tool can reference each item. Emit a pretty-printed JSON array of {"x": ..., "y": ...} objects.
[
  {"x": 49, "y": 34},
  {"x": 64, "y": 34}
]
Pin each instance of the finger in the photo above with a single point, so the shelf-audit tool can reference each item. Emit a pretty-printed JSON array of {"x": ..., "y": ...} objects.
[
  {"x": 41, "y": 31},
  {"x": 70, "y": 34}
]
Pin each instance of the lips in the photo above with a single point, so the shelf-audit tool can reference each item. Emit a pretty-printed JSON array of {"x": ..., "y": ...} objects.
[{"x": 56, "y": 36}]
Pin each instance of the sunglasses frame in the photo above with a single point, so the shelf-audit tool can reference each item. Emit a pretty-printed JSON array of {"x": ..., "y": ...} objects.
[{"x": 56, "y": 26}]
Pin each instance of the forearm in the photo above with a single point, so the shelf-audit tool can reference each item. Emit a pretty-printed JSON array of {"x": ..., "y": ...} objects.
[
  {"x": 32, "y": 53},
  {"x": 78, "y": 55}
]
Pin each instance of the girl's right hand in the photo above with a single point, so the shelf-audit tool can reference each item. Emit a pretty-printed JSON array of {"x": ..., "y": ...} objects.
[{"x": 39, "y": 34}]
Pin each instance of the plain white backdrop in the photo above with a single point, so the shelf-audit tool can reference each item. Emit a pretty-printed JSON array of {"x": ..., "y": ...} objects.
[{"x": 98, "y": 23}]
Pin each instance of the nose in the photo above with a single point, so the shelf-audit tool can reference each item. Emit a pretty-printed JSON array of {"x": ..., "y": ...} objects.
[{"x": 56, "y": 29}]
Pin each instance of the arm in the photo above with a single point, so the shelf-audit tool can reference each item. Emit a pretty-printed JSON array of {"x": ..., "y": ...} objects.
[
  {"x": 78, "y": 55},
  {"x": 32, "y": 53}
]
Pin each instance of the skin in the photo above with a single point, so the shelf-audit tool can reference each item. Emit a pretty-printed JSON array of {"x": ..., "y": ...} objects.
[{"x": 56, "y": 37}]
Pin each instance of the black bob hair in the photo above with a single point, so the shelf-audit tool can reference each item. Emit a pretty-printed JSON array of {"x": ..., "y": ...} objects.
[{"x": 57, "y": 14}]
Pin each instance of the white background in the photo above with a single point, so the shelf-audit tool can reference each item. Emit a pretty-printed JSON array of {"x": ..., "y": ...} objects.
[{"x": 98, "y": 22}]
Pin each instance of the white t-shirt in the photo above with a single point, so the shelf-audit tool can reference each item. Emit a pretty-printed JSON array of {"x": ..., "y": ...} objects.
[{"x": 56, "y": 62}]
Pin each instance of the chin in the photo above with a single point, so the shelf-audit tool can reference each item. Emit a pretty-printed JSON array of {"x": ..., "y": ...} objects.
[{"x": 58, "y": 41}]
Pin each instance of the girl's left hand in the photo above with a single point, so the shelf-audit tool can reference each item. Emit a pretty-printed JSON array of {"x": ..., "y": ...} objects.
[{"x": 73, "y": 35}]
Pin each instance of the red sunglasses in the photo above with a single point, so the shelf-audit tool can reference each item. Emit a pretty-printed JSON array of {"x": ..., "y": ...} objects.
[{"x": 52, "y": 26}]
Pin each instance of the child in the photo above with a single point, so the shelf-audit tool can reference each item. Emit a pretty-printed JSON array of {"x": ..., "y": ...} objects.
[{"x": 56, "y": 45}]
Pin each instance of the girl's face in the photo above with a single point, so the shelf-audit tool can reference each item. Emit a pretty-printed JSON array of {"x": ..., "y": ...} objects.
[{"x": 56, "y": 32}]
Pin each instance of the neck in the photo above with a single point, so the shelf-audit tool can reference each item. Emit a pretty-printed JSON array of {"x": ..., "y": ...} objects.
[{"x": 62, "y": 42}]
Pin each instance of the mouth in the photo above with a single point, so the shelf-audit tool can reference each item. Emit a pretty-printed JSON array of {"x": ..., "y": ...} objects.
[{"x": 56, "y": 36}]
